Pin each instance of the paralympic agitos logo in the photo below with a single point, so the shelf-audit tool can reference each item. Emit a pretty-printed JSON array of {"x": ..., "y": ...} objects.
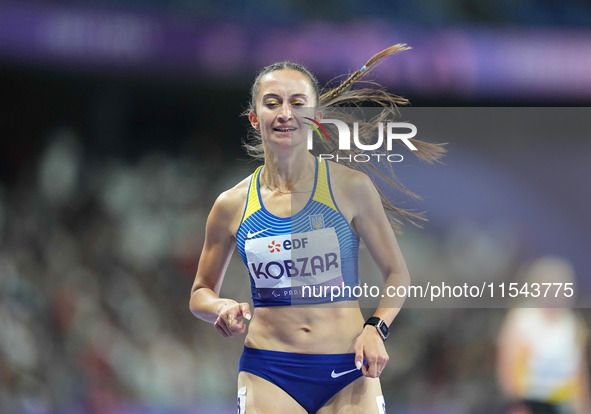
[{"x": 387, "y": 131}]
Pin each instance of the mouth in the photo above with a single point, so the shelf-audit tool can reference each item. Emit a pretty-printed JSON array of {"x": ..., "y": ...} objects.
[{"x": 284, "y": 129}]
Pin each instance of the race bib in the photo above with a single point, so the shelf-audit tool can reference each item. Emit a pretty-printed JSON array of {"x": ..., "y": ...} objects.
[{"x": 281, "y": 266}]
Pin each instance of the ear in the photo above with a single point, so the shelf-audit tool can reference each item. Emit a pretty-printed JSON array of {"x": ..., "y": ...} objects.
[
  {"x": 254, "y": 120},
  {"x": 318, "y": 115}
]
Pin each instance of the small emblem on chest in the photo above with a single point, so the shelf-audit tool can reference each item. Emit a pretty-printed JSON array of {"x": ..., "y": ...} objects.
[{"x": 316, "y": 221}]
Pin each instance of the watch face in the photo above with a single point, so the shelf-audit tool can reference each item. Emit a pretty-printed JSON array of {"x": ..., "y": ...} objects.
[{"x": 383, "y": 330}]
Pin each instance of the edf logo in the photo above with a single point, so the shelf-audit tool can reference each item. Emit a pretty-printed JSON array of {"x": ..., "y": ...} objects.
[{"x": 288, "y": 244}]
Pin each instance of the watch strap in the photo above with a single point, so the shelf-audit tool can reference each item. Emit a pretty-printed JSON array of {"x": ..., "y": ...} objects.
[{"x": 374, "y": 321}]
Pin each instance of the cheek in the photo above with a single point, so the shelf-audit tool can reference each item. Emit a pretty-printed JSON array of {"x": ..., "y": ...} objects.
[
  {"x": 260, "y": 117},
  {"x": 265, "y": 120}
]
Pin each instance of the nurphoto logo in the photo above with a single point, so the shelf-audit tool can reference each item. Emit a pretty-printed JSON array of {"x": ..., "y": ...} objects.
[{"x": 388, "y": 132}]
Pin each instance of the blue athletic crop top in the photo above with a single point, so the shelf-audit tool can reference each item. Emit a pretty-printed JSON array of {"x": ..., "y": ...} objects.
[{"x": 299, "y": 259}]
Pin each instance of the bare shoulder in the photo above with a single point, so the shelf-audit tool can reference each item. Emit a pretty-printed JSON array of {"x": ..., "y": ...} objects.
[
  {"x": 228, "y": 207},
  {"x": 349, "y": 187},
  {"x": 232, "y": 198},
  {"x": 348, "y": 181}
]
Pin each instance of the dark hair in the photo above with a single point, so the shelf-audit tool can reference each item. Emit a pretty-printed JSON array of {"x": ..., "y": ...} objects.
[{"x": 343, "y": 96}]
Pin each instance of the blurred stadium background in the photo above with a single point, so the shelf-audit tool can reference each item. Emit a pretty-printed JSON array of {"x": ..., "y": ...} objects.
[{"x": 120, "y": 124}]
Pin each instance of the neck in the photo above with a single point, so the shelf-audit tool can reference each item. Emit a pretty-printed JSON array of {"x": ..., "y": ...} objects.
[{"x": 283, "y": 171}]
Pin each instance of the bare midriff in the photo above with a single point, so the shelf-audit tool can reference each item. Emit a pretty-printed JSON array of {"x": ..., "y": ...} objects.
[{"x": 311, "y": 329}]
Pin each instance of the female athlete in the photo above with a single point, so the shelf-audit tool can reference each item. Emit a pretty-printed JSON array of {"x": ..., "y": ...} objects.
[
  {"x": 297, "y": 221},
  {"x": 542, "y": 350}
]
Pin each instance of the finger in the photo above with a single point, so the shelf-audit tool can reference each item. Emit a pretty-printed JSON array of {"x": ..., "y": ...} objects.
[
  {"x": 372, "y": 367},
  {"x": 380, "y": 367},
  {"x": 223, "y": 325},
  {"x": 224, "y": 322},
  {"x": 381, "y": 363},
  {"x": 375, "y": 370},
  {"x": 358, "y": 357},
  {"x": 237, "y": 327},
  {"x": 234, "y": 326},
  {"x": 221, "y": 330},
  {"x": 245, "y": 310}
]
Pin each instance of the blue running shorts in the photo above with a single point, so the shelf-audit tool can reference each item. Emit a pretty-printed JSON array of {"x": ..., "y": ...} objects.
[{"x": 311, "y": 379}]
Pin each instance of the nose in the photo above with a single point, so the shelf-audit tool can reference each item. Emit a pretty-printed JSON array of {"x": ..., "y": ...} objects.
[{"x": 285, "y": 114}]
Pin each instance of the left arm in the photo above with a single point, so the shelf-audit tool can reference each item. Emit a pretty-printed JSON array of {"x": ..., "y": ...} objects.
[{"x": 372, "y": 226}]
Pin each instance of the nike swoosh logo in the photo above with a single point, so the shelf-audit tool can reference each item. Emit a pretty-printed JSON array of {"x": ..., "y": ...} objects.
[
  {"x": 251, "y": 235},
  {"x": 336, "y": 375}
]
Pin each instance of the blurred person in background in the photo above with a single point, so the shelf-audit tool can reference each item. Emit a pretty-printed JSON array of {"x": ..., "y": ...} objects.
[
  {"x": 302, "y": 353},
  {"x": 542, "y": 351}
]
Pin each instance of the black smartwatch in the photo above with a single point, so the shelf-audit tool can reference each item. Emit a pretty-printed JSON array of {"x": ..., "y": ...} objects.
[{"x": 380, "y": 325}]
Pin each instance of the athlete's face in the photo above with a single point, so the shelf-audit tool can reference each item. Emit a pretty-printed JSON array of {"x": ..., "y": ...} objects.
[{"x": 284, "y": 99}]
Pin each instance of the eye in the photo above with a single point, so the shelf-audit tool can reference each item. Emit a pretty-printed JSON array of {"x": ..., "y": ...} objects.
[
  {"x": 271, "y": 104},
  {"x": 298, "y": 103}
]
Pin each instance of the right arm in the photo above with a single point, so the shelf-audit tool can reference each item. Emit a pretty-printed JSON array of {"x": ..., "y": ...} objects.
[
  {"x": 509, "y": 351},
  {"x": 219, "y": 245}
]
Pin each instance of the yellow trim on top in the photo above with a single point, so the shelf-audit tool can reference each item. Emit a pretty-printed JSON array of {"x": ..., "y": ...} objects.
[
  {"x": 565, "y": 392},
  {"x": 252, "y": 202},
  {"x": 322, "y": 193},
  {"x": 521, "y": 369}
]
